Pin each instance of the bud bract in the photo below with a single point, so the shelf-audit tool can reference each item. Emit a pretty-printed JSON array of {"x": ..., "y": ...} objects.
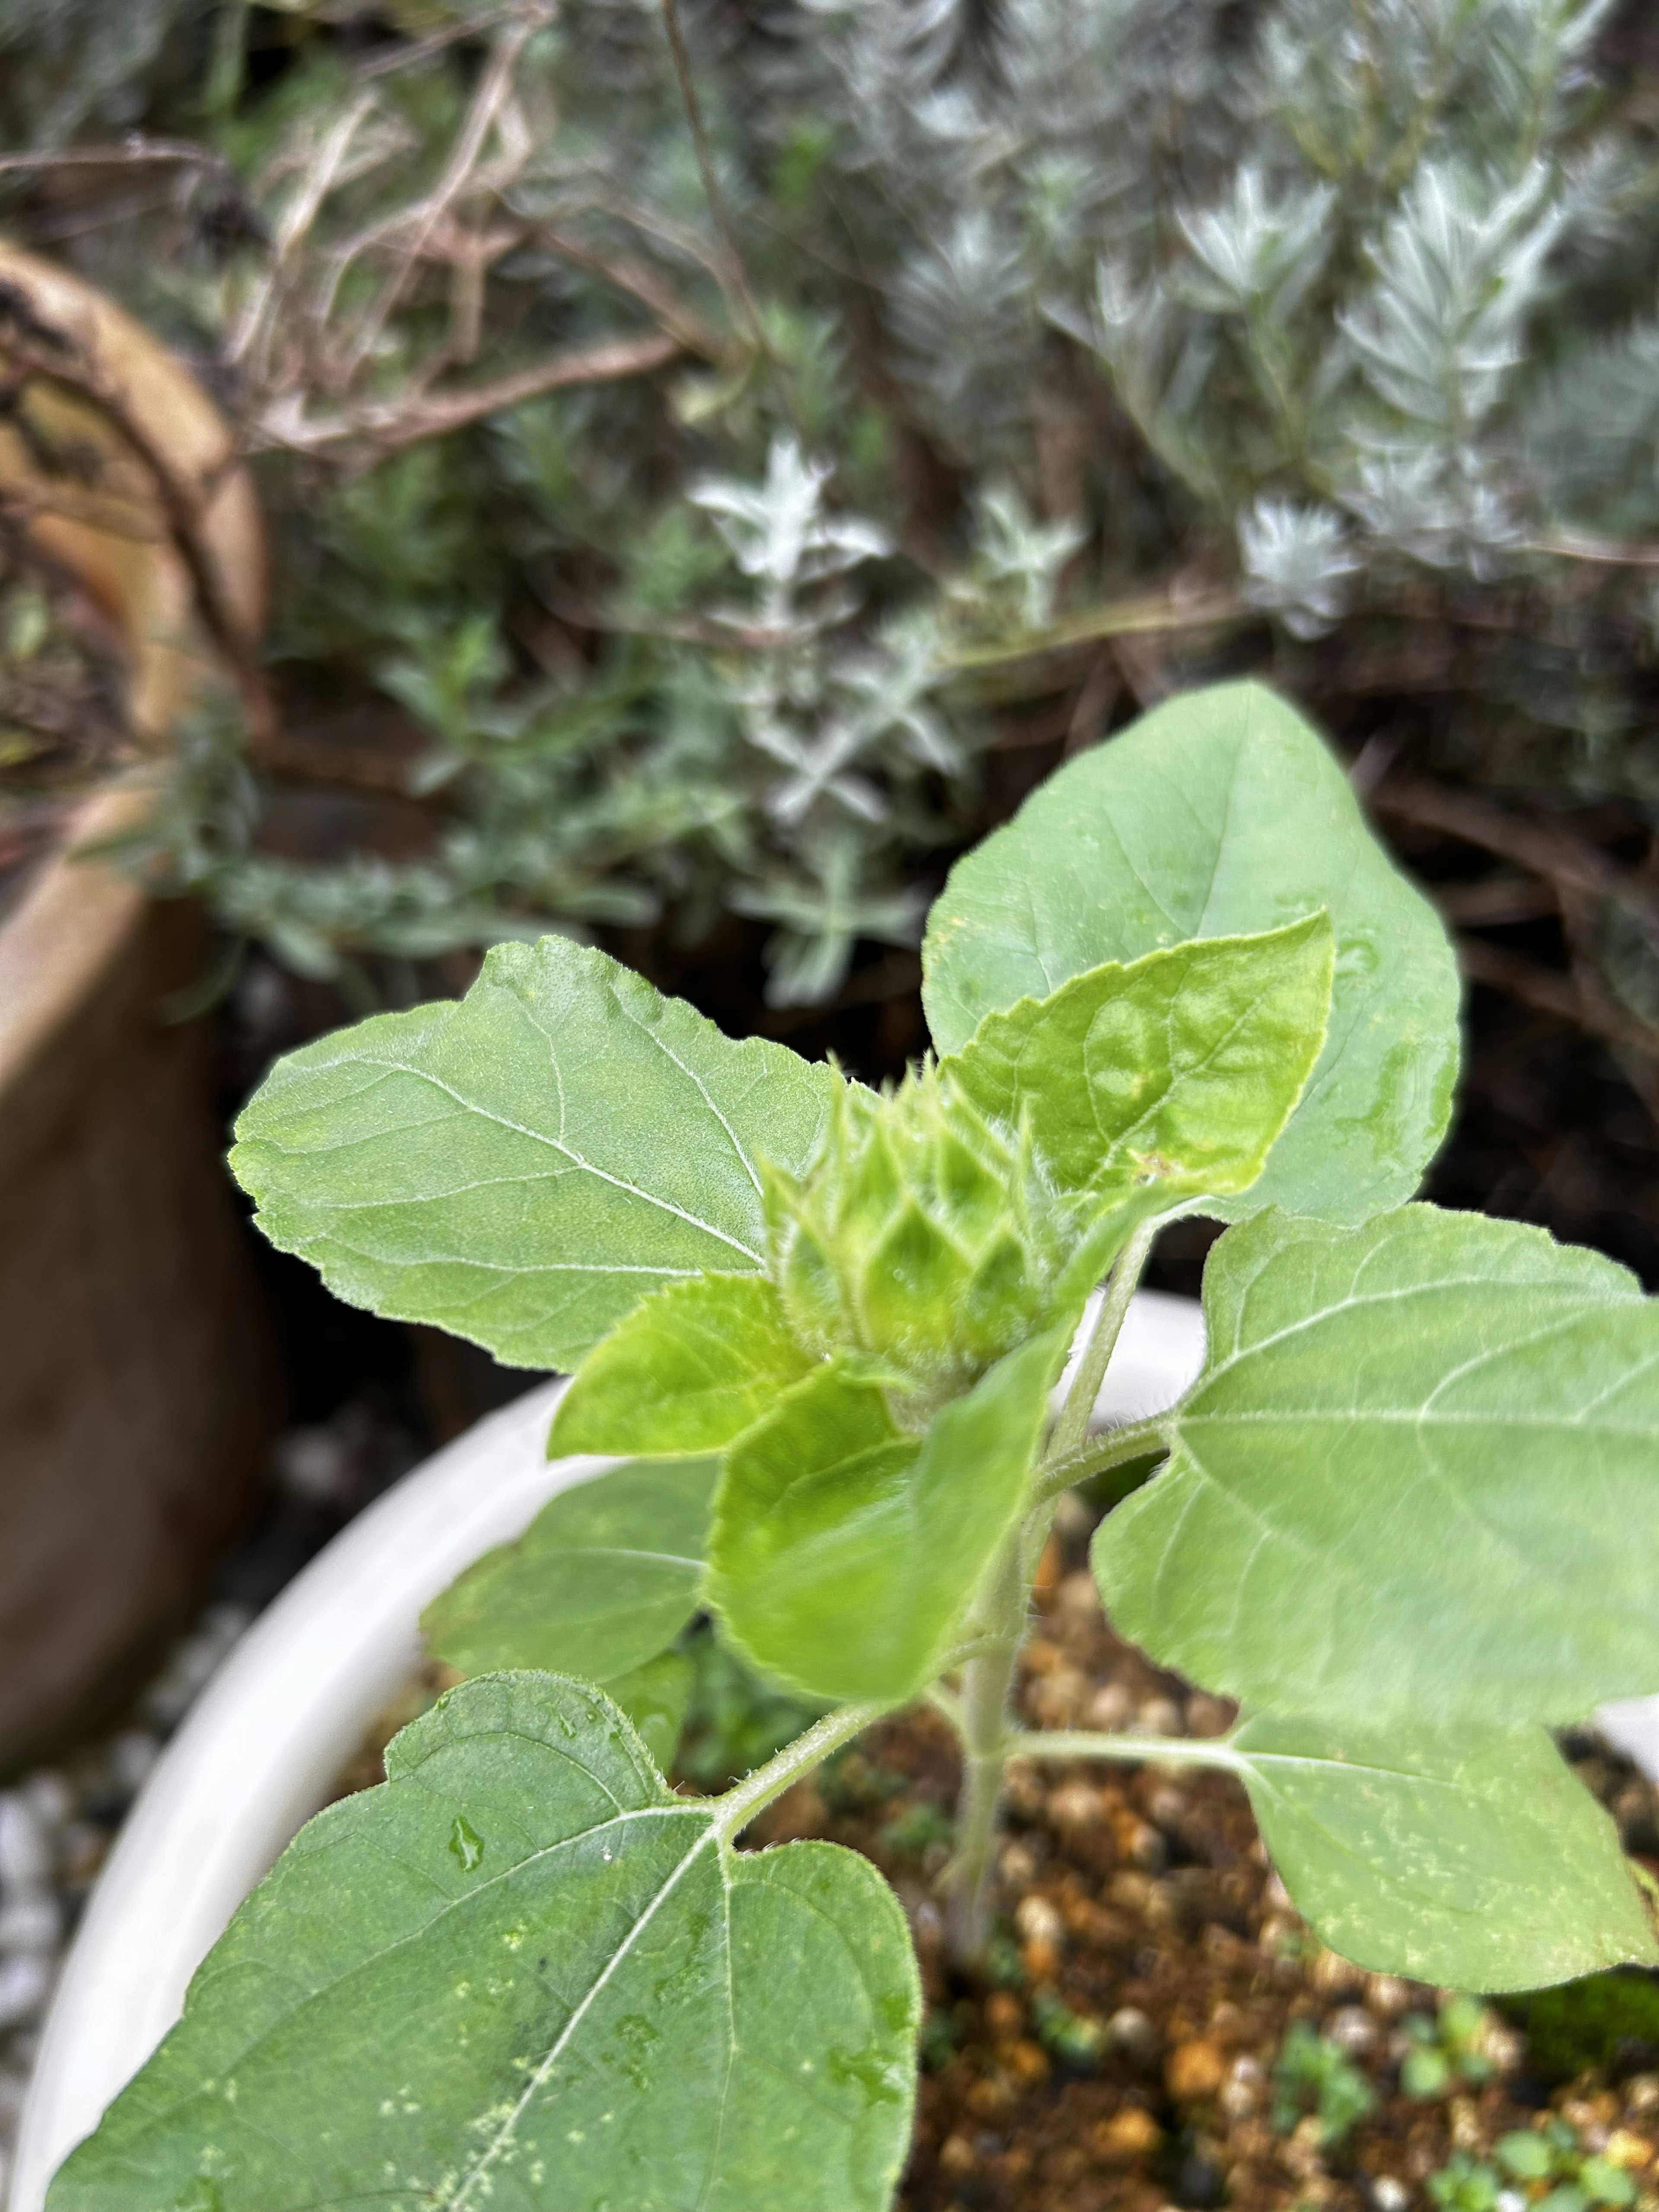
[{"x": 921, "y": 1235}]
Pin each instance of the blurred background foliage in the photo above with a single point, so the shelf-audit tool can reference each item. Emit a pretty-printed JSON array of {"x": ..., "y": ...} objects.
[{"x": 719, "y": 456}]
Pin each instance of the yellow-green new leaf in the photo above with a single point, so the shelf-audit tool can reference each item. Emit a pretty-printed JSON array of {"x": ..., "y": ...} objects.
[
  {"x": 605, "y": 1577},
  {"x": 1219, "y": 814},
  {"x": 1418, "y": 1482},
  {"x": 1471, "y": 1858},
  {"x": 845, "y": 1552},
  {"x": 524, "y": 1975},
  {"x": 689, "y": 1369},
  {"x": 1183, "y": 1065},
  {"x": 522, "y": 1165}
]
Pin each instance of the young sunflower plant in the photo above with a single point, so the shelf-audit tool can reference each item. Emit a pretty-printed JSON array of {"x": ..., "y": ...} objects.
[{"x": 1407, "y": 1515}]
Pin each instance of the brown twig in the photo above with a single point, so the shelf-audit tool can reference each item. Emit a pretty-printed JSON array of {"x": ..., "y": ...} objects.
[
  {"x": 351, "y": 768},
  {"x": 135, "y": 152},
  {"x": 1580, "y": 879},
  {"x": 1601, "y": 552},
  {"x": 385, "y": 429},
  {"x": 1519, "y": 978},
  {"x": 643, "y": 284},
  {"x": 1566, "y": 998},
  {"x": 416, "y": 225},
  {"x": 253, "y": 325},
  {"x": 1544, "y": 849},
  {"x": 393, "y": 59},
  {"x": 1633, "y": 1042},
  {"x": 1496, "y": 902},
  {"x": 677, "y": 237}
]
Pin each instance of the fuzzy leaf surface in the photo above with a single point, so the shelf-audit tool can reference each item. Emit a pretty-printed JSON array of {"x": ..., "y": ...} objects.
[
  {"x": 1418, "y": 1479},
  {"x": 1185, "y": 1064},
  {"x": 845, "y": 1551},
  {"x": 686, "y": 1372},
  {"x": 1473, "y": 1858},
  {"x": 522, "y": 1165},
  {"x": 522, "y": 1973},
  {"x": 1222, "y": 814},
  {"x": 605, "y": 1577}
]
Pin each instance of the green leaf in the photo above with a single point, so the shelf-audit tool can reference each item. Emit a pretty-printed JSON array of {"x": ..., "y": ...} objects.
[
  {"x": 656, "y": 1698},
  {"x": 523, "y": 1165},
  {"x": 1221, "y": 814},
  {"x": 1472, "y": 1857},
  {"x": 1418, "y": 1479},
  {"x": 593, "y": 2000},
  {"x": 1183, "y": 1065},
  {"x": 845, "y": 1552},
  {"x": 686, "y": 1372},
  {"x": 605, "y": 1577}
]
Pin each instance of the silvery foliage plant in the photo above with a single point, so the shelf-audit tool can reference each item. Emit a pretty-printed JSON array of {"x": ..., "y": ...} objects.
[
  {"x": 1339, "y": 310},
  {"x": 1325, "y": 259},
  {"x": 1408, "y": 1516}
]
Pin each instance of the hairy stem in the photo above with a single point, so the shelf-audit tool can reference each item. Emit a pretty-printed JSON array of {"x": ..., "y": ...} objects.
[
  {"x": 983, "y": 1722},
  {"x": 751, "y": 1796},
  {"x": 1072, "y": 1427},
  {"x": 986, "y": 1683},
  {"x": 1086, "y": 1743},
  {"x": 1117, "y": 1448},
  {"x": 947, "y": 1702}
]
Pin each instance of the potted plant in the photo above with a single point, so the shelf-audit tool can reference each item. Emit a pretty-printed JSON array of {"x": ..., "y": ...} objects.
[
  {"x": 138, "y": 1391},
  {"x": 1404, "y": 1515}
]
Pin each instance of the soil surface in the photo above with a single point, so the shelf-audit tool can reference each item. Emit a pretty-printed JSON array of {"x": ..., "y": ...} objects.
[{"x": 1121, "y": 2056}]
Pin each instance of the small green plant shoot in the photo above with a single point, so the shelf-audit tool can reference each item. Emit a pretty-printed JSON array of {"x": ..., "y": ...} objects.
[
  {"x": 1407, "y": 1515},
  {"x": 1546, "y": 2169},
  {"x": 1314, "y": 2076},
  {"x": 1448, "y": 2053}
]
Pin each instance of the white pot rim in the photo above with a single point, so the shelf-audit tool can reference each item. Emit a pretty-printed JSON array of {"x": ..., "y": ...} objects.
[{"x": 261, "y": 1749}]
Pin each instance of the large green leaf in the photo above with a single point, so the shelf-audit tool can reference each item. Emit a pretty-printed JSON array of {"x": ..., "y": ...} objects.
[
  {"x": 1468, "y": 1857},
  {"x": 686, "y": 1372},
  {"x": 1184, "y": 1065},
  {"x": 1217, "y": 815},
  {"x": 844, "y": 1553},
  {"x": 1418, "y": 1479},
  {"x": 521, "y": 1166},
  {"x": 523, "y": 1974},
  {"x": 605, "y": 1577}
]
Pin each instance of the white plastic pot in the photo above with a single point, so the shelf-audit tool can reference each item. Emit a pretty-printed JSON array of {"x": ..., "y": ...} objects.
[{"x": 261, "y": 1750}]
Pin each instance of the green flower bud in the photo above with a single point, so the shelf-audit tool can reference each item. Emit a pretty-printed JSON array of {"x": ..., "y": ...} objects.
[{"x": 921, "y": 1236}]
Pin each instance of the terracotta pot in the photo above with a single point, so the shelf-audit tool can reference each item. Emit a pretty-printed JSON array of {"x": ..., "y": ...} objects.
[{"x": 138, "y": 1383}]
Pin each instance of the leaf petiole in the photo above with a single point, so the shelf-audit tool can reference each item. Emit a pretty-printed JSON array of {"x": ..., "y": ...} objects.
[
  {"x": 755, "y": 1792},
  {"x": 1099, "y": 1455},
  {"x": 1072, "y": 1427},
  {"x": 1087, "y": 1743}
]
